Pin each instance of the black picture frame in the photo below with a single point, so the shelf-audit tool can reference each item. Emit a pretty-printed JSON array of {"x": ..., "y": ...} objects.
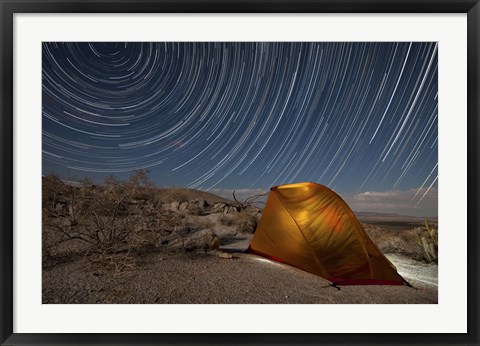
[{"x": 10, "y": 7}]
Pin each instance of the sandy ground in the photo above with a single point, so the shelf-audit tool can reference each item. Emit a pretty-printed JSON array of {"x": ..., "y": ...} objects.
[{"x": 206, "y": 278}]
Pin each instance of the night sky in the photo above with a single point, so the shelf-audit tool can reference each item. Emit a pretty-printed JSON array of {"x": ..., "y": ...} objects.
[{"x": 360, "y": 118}]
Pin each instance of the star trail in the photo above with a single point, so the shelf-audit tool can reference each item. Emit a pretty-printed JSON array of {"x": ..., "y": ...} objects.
[{"x": 357, "y": 117}]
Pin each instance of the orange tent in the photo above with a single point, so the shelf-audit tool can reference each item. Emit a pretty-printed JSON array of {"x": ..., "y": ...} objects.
[{"x": 309, "y": 226}]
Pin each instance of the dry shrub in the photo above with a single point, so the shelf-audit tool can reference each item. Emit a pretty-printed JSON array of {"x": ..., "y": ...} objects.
[
  {"x": 194, "y": 210},
  {"x": 174, "y": 195},
  {"x": 406, "y": 242},
  {"x": 245, "y": 222},
  {"x": 428, "y": 240},
  {"x": 107, "y": 219}
]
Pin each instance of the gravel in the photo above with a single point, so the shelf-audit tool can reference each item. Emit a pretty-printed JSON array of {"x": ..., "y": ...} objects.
[{"x": 212, "y": 278}]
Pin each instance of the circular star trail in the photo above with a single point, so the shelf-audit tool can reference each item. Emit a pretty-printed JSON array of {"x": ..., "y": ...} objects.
[{"x": 353, "y": 116}]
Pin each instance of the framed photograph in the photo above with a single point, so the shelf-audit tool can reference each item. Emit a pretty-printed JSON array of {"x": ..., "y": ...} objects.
[{"x": 227, "y": 172}]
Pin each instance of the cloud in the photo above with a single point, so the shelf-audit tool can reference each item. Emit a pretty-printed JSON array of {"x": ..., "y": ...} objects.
[
  {"x": 377, "y": 196},
  {"x": 414, "y": 202}
]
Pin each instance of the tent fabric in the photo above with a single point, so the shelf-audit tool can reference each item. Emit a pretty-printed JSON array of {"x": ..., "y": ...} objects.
[{"x": 309, "y": 226}]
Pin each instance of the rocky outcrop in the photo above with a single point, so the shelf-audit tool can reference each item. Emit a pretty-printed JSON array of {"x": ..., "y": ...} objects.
[
  {"x": 202, "y": 207},
  {"x": 118, "y": 218}
]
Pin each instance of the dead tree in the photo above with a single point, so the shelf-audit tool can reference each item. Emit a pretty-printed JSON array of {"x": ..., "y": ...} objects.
[{"x": 249, "y": 201}]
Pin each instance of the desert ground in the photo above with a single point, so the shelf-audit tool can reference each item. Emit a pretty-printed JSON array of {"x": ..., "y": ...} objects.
[{"x": 136, "y": 244}]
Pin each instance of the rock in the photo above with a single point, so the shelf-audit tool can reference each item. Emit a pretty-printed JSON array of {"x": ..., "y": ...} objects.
[
  {"x": 230, "y": 210},
  {"x": 219, "y": 206},
  {"x": 224, "y": 255},
  {"x": 183, "y": 206},
  {"x": 194, "y": 207},
  {"x": 200, "y": 202},
  {"x": 246, "y": 223},
  {"x": 197, "y": 207},
  {"x": 174, "y": 206},
  {"x": 205, "y": 240},
  {"x": 223, "y": 208}
]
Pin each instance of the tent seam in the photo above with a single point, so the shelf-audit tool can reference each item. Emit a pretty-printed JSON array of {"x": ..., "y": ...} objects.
[
  {"x": 359, "y": 236},
  {"x": 303, "y": 235}
]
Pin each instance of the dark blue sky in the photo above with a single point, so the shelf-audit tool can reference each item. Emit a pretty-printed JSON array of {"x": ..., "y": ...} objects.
[{"x": 360, "y": 118}]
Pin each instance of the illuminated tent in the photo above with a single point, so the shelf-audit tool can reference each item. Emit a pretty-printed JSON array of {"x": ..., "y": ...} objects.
[{"x": 309, "y": 226}]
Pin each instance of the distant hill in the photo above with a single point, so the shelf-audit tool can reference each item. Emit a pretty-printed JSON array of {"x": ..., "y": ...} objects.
[
  {"x": 167, "y": 195},
  {"x": 392, "y": 221},
  {"x": 374, "y": 216}
]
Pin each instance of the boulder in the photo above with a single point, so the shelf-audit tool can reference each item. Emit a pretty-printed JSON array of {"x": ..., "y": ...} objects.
[
  {"x": 183, "y": 206},
  {"x": 174, "y": 206},
  {"x": 246, "y": 223},
  {"x": 205, "y": 240},
  {"x": 230, "y": 210}
]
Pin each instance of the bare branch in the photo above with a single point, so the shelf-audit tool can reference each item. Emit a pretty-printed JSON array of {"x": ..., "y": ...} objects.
[
  {"x": 249, "y": 200},
  {"x": 235, "y": 198}
]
